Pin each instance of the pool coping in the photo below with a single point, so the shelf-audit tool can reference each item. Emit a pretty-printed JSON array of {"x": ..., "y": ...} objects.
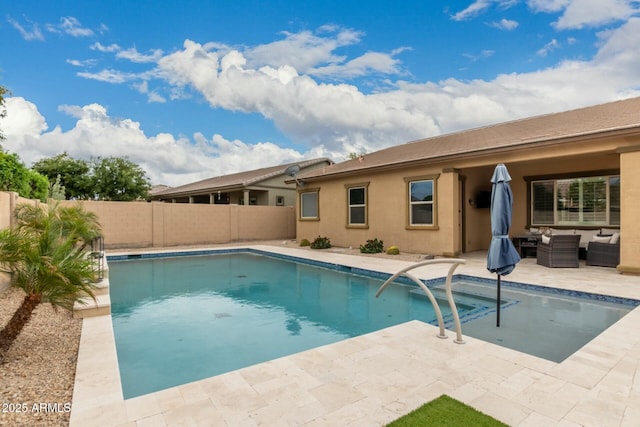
[{"x": 98, "y": 395}]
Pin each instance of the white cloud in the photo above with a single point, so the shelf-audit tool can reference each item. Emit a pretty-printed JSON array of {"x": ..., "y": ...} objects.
[
  {"x": 483, "y": 54},
  {"x": 134, "y": 56},
  {"x": 72, "y": 27},
  {"x": 574, "y": 13},
  {"x": 586, "y": 13},
  {"x": 303, "y": 51},
  {"x": 505, "y": 24},
  {"x": 109, "y": 76},
  {"x": 551, "y": 46},
  {"x": 82, "y": 63},
  {"x": 23, "y": 118},
  {"x": 166, "y": 159},
  {"x": 155, "y": 97},
  {"x": 152, "y": 96},
  {"x": 370, "y": 62},
  {"x": 28, "y": 34},
  {"x": 102, "y": 29},
  {"x": 99, "y": 47},
  {"x": 479, "y": 6}
]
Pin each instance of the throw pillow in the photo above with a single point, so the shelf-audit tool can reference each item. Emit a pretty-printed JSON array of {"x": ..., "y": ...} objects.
[
  {"x": 601, "y": 239},
  {"x": 615, "y": 238},
  {"x": 546, "y": 239}
]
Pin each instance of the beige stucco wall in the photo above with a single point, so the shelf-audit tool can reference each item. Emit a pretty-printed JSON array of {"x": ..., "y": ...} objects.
[
  {"x": 387, "y": 212},
  {"x": 141, "y": 224},
  {"x": 630, "y": 212},
  {"x": 6, "y": 208}
]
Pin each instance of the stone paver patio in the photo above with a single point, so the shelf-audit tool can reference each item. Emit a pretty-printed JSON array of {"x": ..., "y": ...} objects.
[{"x": 373, "y": 379}]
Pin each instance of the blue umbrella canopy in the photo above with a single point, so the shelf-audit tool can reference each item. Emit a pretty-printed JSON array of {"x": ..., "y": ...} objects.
[{"x": 502, "y": 256}]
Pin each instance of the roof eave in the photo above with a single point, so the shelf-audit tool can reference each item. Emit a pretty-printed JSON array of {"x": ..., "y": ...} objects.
[{"x": 546, "y": 142}]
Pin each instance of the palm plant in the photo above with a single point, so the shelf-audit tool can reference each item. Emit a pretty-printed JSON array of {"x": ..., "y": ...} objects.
[{"x": 45, "y": 254}]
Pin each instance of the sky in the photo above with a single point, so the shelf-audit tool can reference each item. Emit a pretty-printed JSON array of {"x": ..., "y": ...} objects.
[{"x": 195, "y": 89}]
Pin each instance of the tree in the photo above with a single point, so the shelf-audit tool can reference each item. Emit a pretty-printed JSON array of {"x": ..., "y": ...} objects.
[
  {"x": 74, "y": 174},
  {"x": 111, "y": 178},
  {"x": 353, "y": 155},
  {"x": 117, "y": 178},
  {"x": 45, "y": 255},
  {"x": 14, "y": 176}
]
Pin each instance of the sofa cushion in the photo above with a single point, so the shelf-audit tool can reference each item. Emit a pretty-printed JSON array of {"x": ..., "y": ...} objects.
[
  {"x": 558, "y": 231},
  {"x": 609, "y": 231},
  {"x": 601, "y": 239},
  {"x": 586, "y": 236}
]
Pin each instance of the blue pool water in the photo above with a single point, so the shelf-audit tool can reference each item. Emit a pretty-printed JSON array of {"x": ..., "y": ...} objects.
[{"x": 180, "y": 319}]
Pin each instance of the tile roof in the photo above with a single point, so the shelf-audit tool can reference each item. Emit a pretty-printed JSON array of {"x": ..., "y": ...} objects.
[
  {"x": 601, "y": 119},
  {"x": 236, "y": 180}
]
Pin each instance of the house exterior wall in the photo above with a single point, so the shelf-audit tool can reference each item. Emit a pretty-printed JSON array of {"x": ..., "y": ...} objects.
[
  {"x": 265, "y": 191},
  {"x": 388, "y": 205},
  {"x": 387, "y": 212},
  {"x": 630, "y": 211}
]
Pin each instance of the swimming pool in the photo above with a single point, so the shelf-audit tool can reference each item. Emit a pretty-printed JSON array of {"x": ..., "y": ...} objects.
[{"x": 181, "y": 319}]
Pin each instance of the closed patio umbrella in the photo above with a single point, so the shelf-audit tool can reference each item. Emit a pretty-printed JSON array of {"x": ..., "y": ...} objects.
[{"x": 502, "y": 256}]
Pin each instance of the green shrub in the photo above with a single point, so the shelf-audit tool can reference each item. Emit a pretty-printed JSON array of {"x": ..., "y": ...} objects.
[
  {"x": 393, "y": 250},
  {"x": 374, "y": 246},
  {"x": 305, "y": 242},
  {"x": 321, "y": 243}
]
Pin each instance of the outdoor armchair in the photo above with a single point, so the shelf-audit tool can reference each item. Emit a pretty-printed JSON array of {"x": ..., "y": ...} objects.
[
  {"x": 561, "y": 251},
  {"x": 603, "y": 254}
]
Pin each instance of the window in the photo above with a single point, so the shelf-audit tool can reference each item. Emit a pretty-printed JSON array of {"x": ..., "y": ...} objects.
[
  {"x": 279, "y": 200},
  {"x": 309, "y": 205},
  {"x": 357, "y": 205},
  {"x": 421, "y": 195},
  {"x": 591, "y": 200}
]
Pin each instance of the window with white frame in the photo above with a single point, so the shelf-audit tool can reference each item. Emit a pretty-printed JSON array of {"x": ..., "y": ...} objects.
[
  {"x": 593, "y": 200},
  {"x": 357, "y": 204},
  {"x": 421, "y": 202},
  {"x": 309, "y": 205}
]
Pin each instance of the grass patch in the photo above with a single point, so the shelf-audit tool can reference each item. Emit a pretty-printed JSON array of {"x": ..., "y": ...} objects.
[{"x": 446, "y": 412}]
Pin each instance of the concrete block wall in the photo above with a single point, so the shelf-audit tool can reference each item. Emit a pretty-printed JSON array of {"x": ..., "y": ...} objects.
[{"x": 158, "y": 224}]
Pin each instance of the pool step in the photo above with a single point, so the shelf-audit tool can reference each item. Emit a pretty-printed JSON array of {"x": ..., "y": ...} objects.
[{"x": 100, "y": 307}]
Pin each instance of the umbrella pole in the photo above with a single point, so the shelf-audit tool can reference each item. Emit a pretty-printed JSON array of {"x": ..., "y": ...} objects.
[{"x": 498, "y": 304}]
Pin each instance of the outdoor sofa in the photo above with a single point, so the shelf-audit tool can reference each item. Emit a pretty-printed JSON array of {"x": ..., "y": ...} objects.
[{"x": 600, "y": 247}]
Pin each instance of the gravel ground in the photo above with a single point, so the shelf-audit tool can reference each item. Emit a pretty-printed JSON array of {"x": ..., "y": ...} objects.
[{"x": 36, "y": 378}]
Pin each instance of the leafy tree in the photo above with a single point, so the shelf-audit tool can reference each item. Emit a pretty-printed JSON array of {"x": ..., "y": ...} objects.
[
  {"x": 45, "y": 255},
  {"x": 110, "y": 178},
  {"x": 38, "y": 185},
  {"x": 117, "y": 178},
  {"x": 14, "y": 176},
  {"x": 74, "y": 174}
]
